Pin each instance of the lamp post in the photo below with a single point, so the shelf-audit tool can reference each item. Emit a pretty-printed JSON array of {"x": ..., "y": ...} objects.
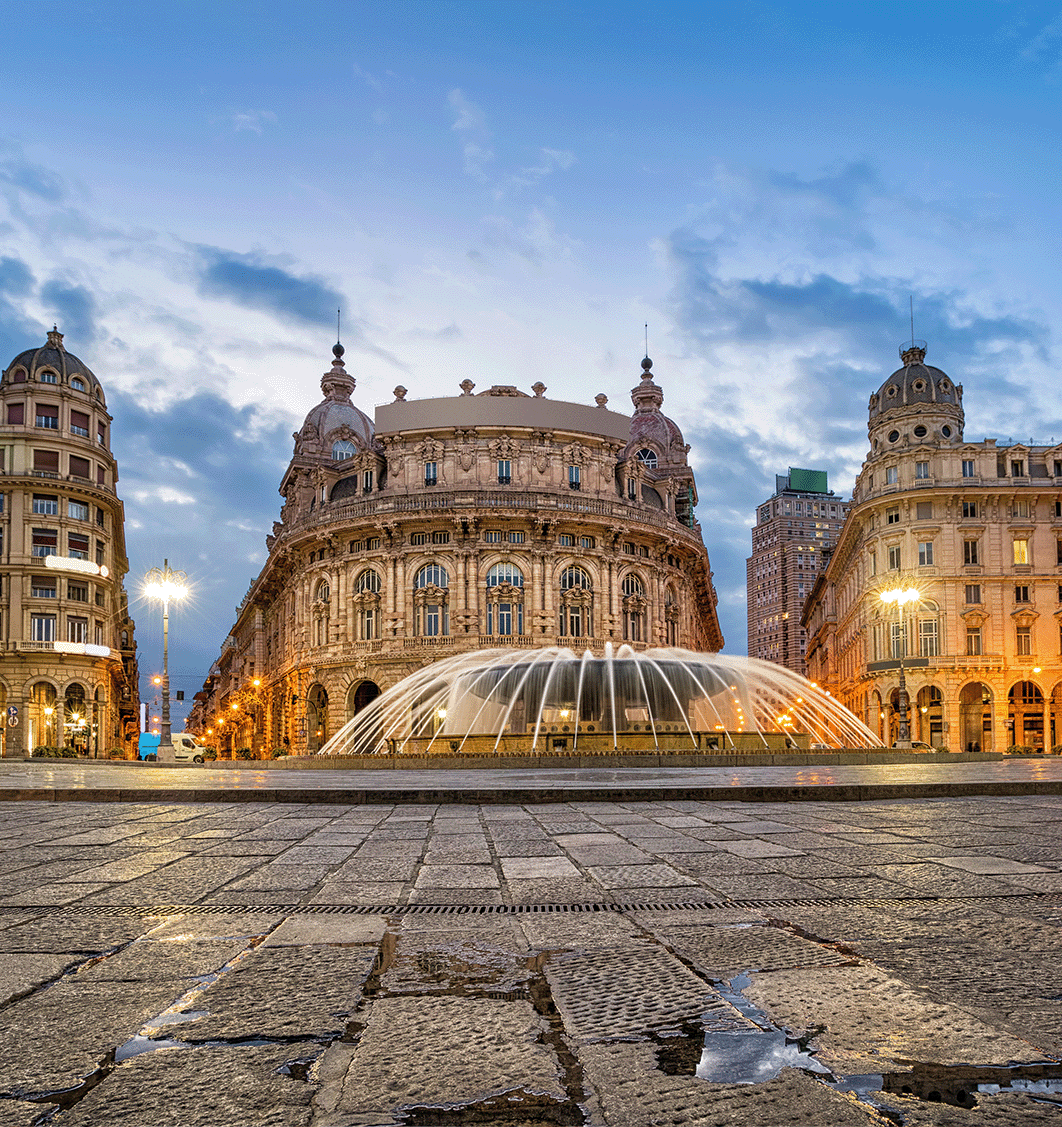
[
  {"x": 901, "y": 596},
  {"x": 165, "y": 584}
]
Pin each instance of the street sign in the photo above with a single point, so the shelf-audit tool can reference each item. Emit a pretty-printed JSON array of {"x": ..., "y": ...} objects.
[
  {"x": 12, "y": 710},
  {"x": 12, "y": 721}
]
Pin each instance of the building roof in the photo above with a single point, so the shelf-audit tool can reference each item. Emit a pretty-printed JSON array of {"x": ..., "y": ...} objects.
[{"x": 52, "y": 356}]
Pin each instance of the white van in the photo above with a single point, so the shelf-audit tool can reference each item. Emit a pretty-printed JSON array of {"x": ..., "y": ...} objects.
[{"x": 187, "y": 747}]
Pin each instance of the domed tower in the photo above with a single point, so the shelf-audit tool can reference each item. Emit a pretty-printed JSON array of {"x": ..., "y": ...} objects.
[
  {"x": 69, "y": 675},
  {"x": 336, "y": 454},
  {"x": 653, "y": 466},
  {"x": 916, "y": 404}
]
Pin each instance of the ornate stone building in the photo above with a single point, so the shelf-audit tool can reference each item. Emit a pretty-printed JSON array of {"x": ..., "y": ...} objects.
[
  {"x": 976, "y": 528},
  {"x": 68, "y": 673},
  {"x": 454, "y": 524}
]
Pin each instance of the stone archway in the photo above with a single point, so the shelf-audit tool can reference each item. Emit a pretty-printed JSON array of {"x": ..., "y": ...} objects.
[
  {"x": 316, "y": 718},
  {"x": 1025, "y": 715},
  {"x": 360, "y": 695},
  {"x": 975, "y": 717},
  {"x": 928, "y": 716}
]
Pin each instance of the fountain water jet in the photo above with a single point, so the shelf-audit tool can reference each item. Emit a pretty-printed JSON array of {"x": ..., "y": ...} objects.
[{"x": 506, "y": 702}]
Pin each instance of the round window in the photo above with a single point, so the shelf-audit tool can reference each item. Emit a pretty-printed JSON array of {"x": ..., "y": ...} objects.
[
  {"x": 944, "y": 385},
  {"x": 920, "y": 431},
  {"x": 891, "y": 393},
  {"x": 946, "y": 431},
  {"x": 920, "y": 385},
  {"x": 893, "y": 435}
]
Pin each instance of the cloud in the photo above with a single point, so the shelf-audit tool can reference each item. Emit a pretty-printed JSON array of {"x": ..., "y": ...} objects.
[
  {"x": 471, "y": 123},
  {"x": 26, "y": 176},
  {"x": 252, "y": 121},
  {"x": 247, "y": 280},
  {"x": 17, "y": 331},
  {"x": 73, "y": 309},
  {"x": 370, "y": 80}
]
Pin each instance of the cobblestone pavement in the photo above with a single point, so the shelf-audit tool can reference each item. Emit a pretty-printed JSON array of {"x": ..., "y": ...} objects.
[{"x": 606, "y": 963}]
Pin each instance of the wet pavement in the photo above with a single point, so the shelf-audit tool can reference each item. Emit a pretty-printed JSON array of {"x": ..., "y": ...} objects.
[
  {"x": 916, "y": 777},
  {"x": 624, "y": 963}
]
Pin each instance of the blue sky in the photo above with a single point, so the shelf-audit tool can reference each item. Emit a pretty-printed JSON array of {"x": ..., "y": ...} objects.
[{"x": 508, "y": 192}]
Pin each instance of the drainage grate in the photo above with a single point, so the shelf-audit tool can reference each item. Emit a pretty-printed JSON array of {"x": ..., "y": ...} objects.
[{"x": 130, "y": 910}]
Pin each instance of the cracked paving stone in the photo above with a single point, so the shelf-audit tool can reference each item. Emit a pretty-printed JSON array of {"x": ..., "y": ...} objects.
[
  {"x": 153, "y": 960},
  {"x": 871, "y": 1019},
  {"x": 22, "y": 973},
  {"x": 306, "y": 991},
  {"x": 434, "y": 1051},
  {"x": 21, "y": 1113},
  {"x": 490, "y": 960},
  {"x": 59, "y": 933},
  {"x": 633, "y": 1092},
  {"x": 721, "y": 953},
  {"x": 64, "y": 1032},
  {"x": 201, "y": 1087}
]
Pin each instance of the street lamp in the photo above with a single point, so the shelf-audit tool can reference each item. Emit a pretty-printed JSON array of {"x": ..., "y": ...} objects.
[
  {"x": 164, "y": 584},
  {"x": 901, "y": 596}
]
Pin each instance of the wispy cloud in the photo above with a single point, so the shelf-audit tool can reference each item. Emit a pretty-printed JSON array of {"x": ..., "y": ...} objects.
[
  {"x": 471, "y": 123},
  {"x": 252, "y": 121}
]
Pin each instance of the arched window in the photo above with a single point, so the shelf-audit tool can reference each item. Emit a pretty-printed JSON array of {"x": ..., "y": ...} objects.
[
  {"x": 577, "y": 604},
  {"x": 343, "y": 449},
  {"x": 323, "y": 592},
  {"x": 76, "y": 718},
  {"x": 367, "y": 604},
  {"x": 634, "y": 608},
  {"x": 41, "y": 726},
  {"x": 321, "y": 596},
  {"x": 431, "y": 601},
  {"x": 76, "y": 384},
  {"x": 316, "y": 718},
  {"x": 647, "y": 457},
  {"x": 928, "y": 630},
  {"x": 505, "y": 600}
]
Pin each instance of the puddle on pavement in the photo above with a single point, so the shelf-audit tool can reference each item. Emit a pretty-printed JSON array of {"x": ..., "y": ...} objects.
[
  {"x": 513, "y": 1109},
  {"x": 754, "y": 1056}
]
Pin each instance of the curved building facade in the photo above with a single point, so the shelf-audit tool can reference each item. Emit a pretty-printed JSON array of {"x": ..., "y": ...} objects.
[
  {"x": 975, "y": 529},
  {"x": 68, "y": 674},
  {"x": 498, "y": 518}
]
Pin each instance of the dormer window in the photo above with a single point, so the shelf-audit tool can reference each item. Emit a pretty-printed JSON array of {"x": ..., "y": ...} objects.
[
  {"x": 77, "y": 385},
  {"x": 49, "y": 377},
  {"x": 343, "y": 450},
  {"x": 647, "y": 457}
]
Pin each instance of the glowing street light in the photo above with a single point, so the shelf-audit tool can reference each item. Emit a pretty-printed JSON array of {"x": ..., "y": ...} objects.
[
  {"x": 164, "y": 584},
  {"x": 901, "y": 596}
]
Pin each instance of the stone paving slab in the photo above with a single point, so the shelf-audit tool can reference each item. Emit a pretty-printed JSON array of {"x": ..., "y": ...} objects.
[{"x": 391, "y": 994}]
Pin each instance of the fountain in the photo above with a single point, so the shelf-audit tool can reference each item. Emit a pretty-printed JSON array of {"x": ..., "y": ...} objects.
[{"x": 554, "y": 701}]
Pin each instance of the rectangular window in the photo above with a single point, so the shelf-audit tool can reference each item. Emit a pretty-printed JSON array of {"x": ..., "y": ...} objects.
[
  {"x": 99, "y": 517},
  {"x": 366, "y": 481},
  {"x": 1021, "y": 593},
  {"x": 440, "y": 537},
  {"x": 928, "y": 638},
  {"x": 1058, "y": 552},
  {"x": 98, "y": 633},
  {"x": 493, "y": 536},
  {"x": 1017, "y": 469},
  {"x": 1058, "y": 505},
  {"x": 101, "y": 435},
  {"x": 47, "y": 417},
  {"x": 921, "y": 470},
  {"x": 368, "y": 623},
  {"x": 924, "y": 510},
  {"x": 967, "y": 468},
  {"x": 591, "y": 542},
  {"x": 42, "y": 628},
  {"x": 99, "y": 552},
  {"x": 100, "y": 597},
  {"x": 892, "y": 475},
  {"x": 77, "y": 511},
  {"x": 873, "y": 563},
  {"x": 628, "y": 548},
  {"x": 42, "y": 587},
  {"x": 566, "y": 541},
  {"x": 892, "y": 516},
  {"x": 896, "y": 632},
  {"x": 969, "y": 510},
  {"x": 969, "y": 553},
  {"x": 77, "y": 546},
  {"x": 1023, "y": 641},
  {"x": 45, "y": 504},
  {"x": 431, "y": 473},
  {"x": 505, "y": 471},
  {"x": 973, "y": 593},
  {"x": 79, "y": 423},
  {"x": 574, "y": 480},
  {"x": 973, "y": 641},
  {"x": 80, "y": 467},
  {"x": 1021, "y": 552},
  {"x": 77, "y": 629},
  {"x": 101, "y": 475},
  {"x": 894, "y": 558},
  {"x": 372, "y": 544},
  {"x": 1020, "y": 510},
  {"x": 925, "y": 553},
  {"x": 515, "y": 537},
  {"x": 77, "y": 592},
  {"x": 45, "y": 542},
  {"x": 49, "y": 377},
  {"x": 355, "y": 546},
  {"x": 16, "y": 414},
  {"x": 418, "y": 538},
  {"x": 643, "y": 550}
]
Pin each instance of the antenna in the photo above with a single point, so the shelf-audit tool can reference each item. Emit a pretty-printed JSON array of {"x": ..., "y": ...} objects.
[
  {"x": 647, "y": 338},
  {"x": 338, "y": 333}
]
